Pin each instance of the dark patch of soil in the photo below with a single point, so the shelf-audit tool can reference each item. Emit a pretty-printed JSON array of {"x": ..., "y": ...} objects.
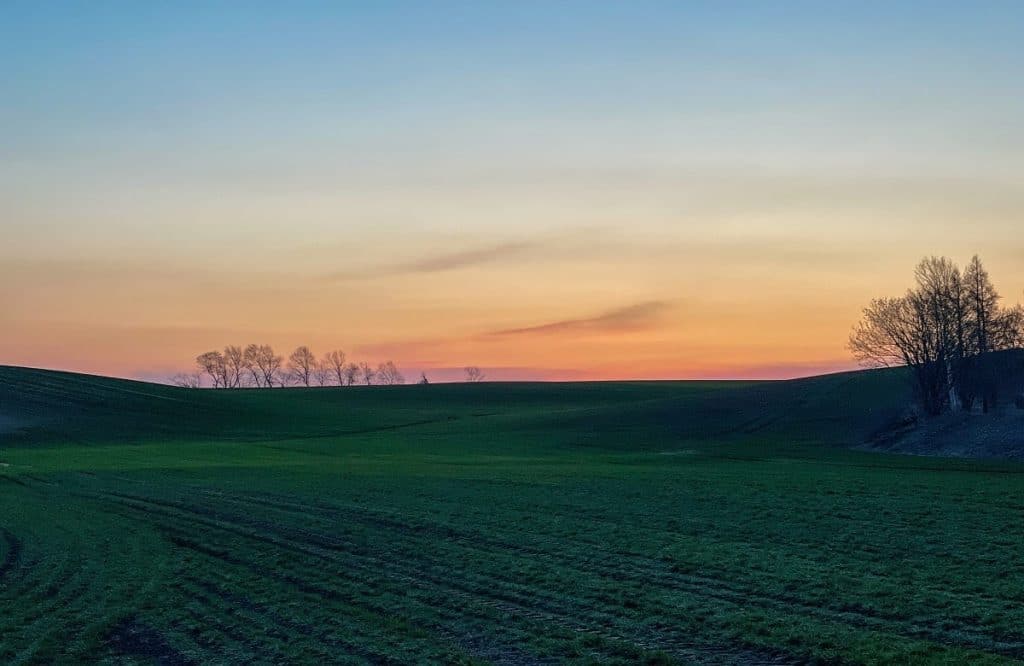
[
  {"x": 996, "y": 435},
  {"x": 130, "y": 637}
]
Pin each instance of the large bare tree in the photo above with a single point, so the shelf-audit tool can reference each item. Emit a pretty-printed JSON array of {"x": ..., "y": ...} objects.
[
  {"x": 301, "y": 364},
  {"x": 991, "y": 328},
  {"x": 234, "y": 361},
  {"x": 252, "y": 365},
  {"x": 335, "y": 361},
  {"x": 940, "y": 295},
  {"x": 267, "y": 363},
  {"x": 212, "y": 363},
  {"x": 366, "y": 373},
  {"x": 941, "y": 329},
  {"x": 388, "y": 374},
  {"x": 917, "y": 330}
]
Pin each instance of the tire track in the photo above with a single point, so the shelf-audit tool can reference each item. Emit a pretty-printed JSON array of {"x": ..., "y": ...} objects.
[
  {"x": 544, "y": 610},
  {"x": 639, "y": 569}
]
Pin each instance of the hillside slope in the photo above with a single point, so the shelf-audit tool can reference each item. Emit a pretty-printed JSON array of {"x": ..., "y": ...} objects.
[{"x": 46, "y": 406}]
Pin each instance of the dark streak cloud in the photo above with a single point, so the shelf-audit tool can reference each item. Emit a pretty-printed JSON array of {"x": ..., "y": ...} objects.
[
  {"x": 443, "y": 262},
  {"x": 630, "y": 317},
  {"x": 447, "y": 262}
]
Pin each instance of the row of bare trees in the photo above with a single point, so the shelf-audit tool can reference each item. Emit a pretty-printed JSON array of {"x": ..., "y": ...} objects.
[
  {"x": 944, "y": 329},
  {"x": 258, "y": 366}
]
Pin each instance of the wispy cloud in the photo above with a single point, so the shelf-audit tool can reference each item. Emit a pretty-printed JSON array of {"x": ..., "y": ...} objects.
[
  {"x": 630, "y": 317},
  {"x": 444, "y": 262},
  {"x": 447, "y": 262}
]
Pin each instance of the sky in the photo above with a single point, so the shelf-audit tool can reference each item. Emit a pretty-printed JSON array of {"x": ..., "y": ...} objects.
[{"x": 546, "y": 190}]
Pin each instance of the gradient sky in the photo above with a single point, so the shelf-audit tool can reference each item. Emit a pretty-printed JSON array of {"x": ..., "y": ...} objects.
[{"x": 543, "y": 189}]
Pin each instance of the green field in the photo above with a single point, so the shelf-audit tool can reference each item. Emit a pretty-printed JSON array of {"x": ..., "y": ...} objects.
[{"x": 658, "y": 522}]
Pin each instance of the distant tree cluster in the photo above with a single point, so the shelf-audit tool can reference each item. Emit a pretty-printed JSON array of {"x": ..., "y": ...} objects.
[
  {"x": 258, "y": 366},
  {"x": 944, "y": 329}
]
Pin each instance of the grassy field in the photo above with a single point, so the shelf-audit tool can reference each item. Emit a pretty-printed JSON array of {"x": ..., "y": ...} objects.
[{"x": 658, "y": 522}]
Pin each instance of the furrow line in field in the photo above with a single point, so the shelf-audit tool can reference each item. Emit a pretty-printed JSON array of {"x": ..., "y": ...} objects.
[
  {"x": 622, "y": 566},
  {"x": 324, "y": 627},
  {"x": 526, "y": 608},
  {"x": 524, "y": 605},
  {"x": 200, "y": 619},
  {"x": 373, "y": 613},
  {"x": 562, "y": 542}
]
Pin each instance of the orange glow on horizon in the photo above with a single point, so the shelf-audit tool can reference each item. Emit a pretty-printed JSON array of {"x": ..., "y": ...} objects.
[{"x": 709, "y": 319}]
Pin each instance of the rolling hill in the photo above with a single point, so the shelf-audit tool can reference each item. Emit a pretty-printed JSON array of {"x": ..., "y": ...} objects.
[
  {"x": 845, "y": 408},
  {"x": 618, "y": 522}
]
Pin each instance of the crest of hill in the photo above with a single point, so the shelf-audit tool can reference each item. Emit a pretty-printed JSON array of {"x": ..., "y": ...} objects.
[
  {"x": 865, "y": 409},
  {"x": 42, "y": 406}
]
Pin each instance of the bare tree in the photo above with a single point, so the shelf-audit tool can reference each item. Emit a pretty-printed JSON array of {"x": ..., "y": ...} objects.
[
  {"x": 917, "y": 330},
  {"x": 351, "y": 374},
  {"x": 474, "y": 374},
  {"x": 234, "y": 361},
  {"x": 213, "y": 364},
  {"x": 335, "y": 362},
  {"x": 893, "y": 332},
  {"x": 983, "y": 313},
  {"x": 942, "y": 329},
  {"x": 192, "y": 380},
  {"x": 388, "y": 374},
  {"x": 983, "y": 303},
  {"x": 367, "y": 373},
  {"x": 252, "y": 365},
  {"x": 322, "y": 373},
  {"x": 266, "y": 363},
  {"x": 423, "y": 379},
  {"x": 991, "y": 328},
  {"x": 940, "y": 297},
  {"x": 1009, "y": 329},
  {"x": 301, "y": 364}
]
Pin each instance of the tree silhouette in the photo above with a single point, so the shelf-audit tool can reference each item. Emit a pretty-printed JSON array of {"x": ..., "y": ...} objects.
[
  {"x": 301, "y": 364},
  {"x": 942, "y": 329}
]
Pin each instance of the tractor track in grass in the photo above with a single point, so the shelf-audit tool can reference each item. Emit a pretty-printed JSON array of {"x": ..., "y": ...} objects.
[
  {"x": 62, "y": 598},
  {"x": 274, "y": 623},
  {"x": 325, "y": 590},
  {"x": 543, "y": 613},
  {"x": 483, "y": 645},
  {"x": 50, "y": 589},
  {"x": 303, "y": 584},
  {"x": 527, "y": 607},
  {"x": 627, "y": 567},
  {"x": 384, "y": 519},
  {"x": 222, "y": 629},
  {"x": 535, "y": 613}
]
